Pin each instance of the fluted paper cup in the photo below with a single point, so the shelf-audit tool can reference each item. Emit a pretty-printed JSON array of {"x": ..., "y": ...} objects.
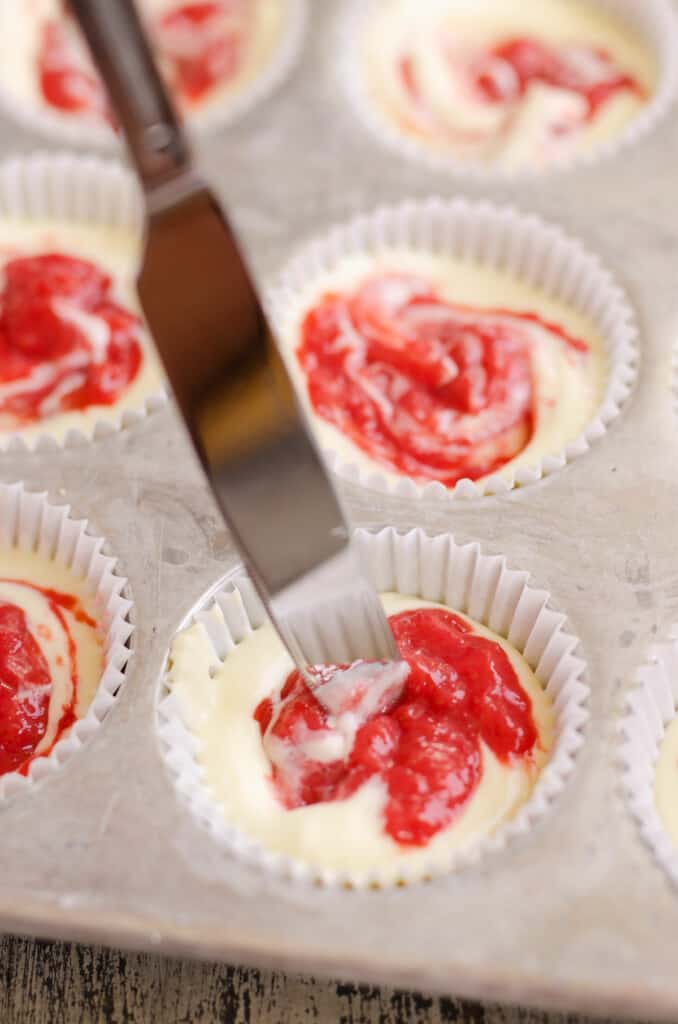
[
  {"x": 94, "y": 133},
  {"x": 435, "y": 569},
  {"x": 522, "y": 247},
  {"x": 29, "y": 523},
  {"x": 655, "y": 22},
  {"x": 75, "y": 192},
  {"x": 651, "y": 706}
]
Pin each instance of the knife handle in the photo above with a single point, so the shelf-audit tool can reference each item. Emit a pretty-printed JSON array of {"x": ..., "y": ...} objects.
[{"x": 125, "y": 61}]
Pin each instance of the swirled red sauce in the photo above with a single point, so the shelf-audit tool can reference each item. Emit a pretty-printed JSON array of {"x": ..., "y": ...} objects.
[
  {"x": 428, "y": 388},
  {"x": 201, "y": 44},
  {"x": 25, "y": 680},
  {"x": 502, "y": 75},
  {"x": 68, "y": 80},
  {"x": 590, "y": 73},
  {"x": 65, "y": 344},
  {"x": 421, "y": 736}
]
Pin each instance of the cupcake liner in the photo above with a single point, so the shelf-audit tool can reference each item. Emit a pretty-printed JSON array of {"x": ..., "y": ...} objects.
[
  {"x": 655, "y": 21},
  {"x": 78, "y": 191},
  {"x": 92, "y": 134},
  {"x": 500, "y": 238},
  {"x": 29, "y": 522},
  {"x": 436, "y": 569},
  {"x": 650, "y": 707}
]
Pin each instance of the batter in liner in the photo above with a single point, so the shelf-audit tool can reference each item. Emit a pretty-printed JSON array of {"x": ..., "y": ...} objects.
[
  {"x": 381, "y": 771},
  {"x": 439, "y": 370},
  {"x": 51, "y": 656},
  {"x": 511, "y": 84}
]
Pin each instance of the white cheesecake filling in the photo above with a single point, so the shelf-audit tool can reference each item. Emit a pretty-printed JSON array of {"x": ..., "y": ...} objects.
[
  {"x": 115, "y": 251},
  {"x": 345, "y": 835},
  {"x": 21, "y": 21},
  {"x": 568, "y": 385},
  {"x": 666, "y": 781},
  {"x": 443, "y": 38},
  {"x": 18, "y": 568}
]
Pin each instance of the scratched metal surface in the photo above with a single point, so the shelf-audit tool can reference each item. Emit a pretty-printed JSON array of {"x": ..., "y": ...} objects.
[{"x": 577, "y": 914}]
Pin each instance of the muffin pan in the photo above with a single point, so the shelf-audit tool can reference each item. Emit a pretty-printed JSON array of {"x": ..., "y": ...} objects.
[{"x": 577, "y": 913}]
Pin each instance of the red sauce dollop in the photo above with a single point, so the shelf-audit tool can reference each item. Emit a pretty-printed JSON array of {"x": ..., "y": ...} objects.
[
  {"x": 47, "y": 363},
  {"x": 430, "y": 389},
  {"x": 201, "y": 44},
  {"x": 67, "y": 81},
  {"x": 590, "y": 73},
  {"x": 25, "y": 681},
  {"x": 503, "y": 74},
  {"x": 425, "y": 744}
]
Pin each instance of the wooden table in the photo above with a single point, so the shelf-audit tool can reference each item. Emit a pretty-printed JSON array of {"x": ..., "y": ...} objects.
[{"x": 60, "y": 983}]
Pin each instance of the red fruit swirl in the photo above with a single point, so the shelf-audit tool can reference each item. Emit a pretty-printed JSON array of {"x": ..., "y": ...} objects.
[
  {"x": 25, "y": 681},
  {"x": 590, "y": 73},
  {"x": 68, "y": 80},
  {"x": 502, "y": 75},
  {"x": 425, "y": 387},
  {"x": 65, "y": 344},
  {"x": 201, "y": 44},
  {"x": 422, "y": 737}
]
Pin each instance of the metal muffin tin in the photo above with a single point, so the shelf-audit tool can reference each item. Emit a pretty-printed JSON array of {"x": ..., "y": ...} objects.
[{"x": 577, "y": 913}]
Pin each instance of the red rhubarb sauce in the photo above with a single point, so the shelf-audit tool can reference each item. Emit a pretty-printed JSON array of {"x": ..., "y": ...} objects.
[
  {"x": 25, "y": 681},
  {"x": 423, "y": 741},
  {"x": 587, "y": 72},
  {"x": 68, "y": 81},
  {"x": 51, "y": 306},
  {"x": 425, "y": 387},
  {"x": 502, "y": 75},
  {"x": 199, "y": 46}
]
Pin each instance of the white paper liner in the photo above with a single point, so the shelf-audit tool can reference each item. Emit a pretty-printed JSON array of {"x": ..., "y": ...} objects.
[
  {"x": 92, "y": 134},
  {"x": 654, "y": 20},
  {"x": 651, "y": 706},
  {"x": 503, "y": 239},
  {"x": 29, "y": 522},
  {"x": 83, "y": 191},
  {"x": 436, "y": 569}
]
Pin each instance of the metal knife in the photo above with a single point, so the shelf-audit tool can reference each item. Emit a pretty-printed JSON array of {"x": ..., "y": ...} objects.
[{"x": 227, "y": 376}]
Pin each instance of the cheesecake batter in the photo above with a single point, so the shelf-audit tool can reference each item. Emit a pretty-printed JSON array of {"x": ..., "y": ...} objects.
[
  {"x": 666, "y": 780},
  {"x": 208, "y": 51},
  {"x": 427, "y": 761},
  {"x": 51, "y": 656},
  {"x": 517, "y": 85},
  {"x": 440, "y": 370},
  {"x": 73, "y": 349}
]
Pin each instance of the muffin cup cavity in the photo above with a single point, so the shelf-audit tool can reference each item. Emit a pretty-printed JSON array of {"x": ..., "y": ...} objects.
[
  {"x": 436, "y": 569},
  {"x": 651, "y": 706},
  {"x": 655, "y": 21},
  {"x": 91, "y": 133},
  {"x": 76, "y": 191},
  {"x": 501, "y": 239},
  {"x": 29, "y": 522}
]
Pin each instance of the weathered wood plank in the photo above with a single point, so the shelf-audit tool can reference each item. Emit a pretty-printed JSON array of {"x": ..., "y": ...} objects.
[{"x": 60, "y": 983}]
